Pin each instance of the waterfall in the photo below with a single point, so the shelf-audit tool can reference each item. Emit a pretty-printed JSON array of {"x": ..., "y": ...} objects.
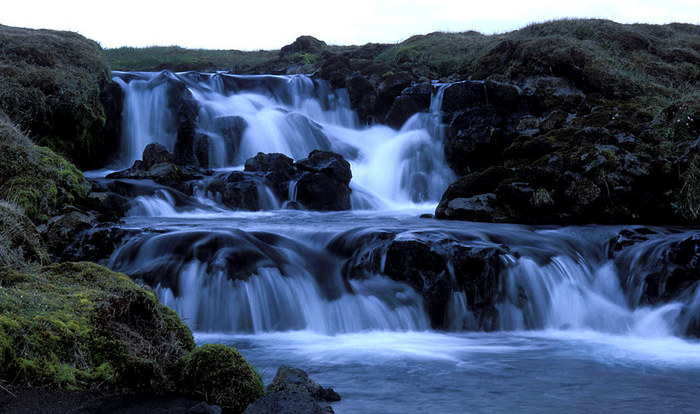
[
  {"x": 266, "y": 277},
  {"x": 239, "y": 116}
]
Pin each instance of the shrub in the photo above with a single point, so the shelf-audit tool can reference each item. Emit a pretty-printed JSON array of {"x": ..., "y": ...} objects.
[{"x": 221, "y": 375}]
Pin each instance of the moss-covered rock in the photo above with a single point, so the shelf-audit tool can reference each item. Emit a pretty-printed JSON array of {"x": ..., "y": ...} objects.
[
  {"x": 52, "y": 84},
  {"x": 34, "y": 178},
  {"x": 80, "y": 325},
  {"x": 20, "y": 242},
  {"x": 221, "y": 375}
]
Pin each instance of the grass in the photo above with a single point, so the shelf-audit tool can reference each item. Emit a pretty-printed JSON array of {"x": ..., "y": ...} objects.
[
  {"x": 50, "y": 85},
  {"x": 180, "y": 59}
]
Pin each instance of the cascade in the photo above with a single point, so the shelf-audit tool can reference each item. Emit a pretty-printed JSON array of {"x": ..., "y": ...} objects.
[
  {"x": 239, "y": 116},
  {"x": 376, "y": 298}
]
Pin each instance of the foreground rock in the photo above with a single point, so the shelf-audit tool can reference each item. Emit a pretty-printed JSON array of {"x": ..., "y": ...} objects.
[{"x": 293, "y": 392}]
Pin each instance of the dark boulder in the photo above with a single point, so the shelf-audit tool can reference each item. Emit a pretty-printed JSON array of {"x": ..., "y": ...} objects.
[
  {"x": 277, "y": 169},
  {"x": 96, "y": 244},
  {"x": 414, "y": 262},
  {"x": 471, "y": 197},
  {"x": 391, "y": 85},
  {"x": 626, "y": 238},
  {"x": 295, "y": 379},
  {"x": 185, "y": 110},
  {"x": 335, "y": 69},
  {"x": 239, "y": 191},
  {"x": 156, "y": 154},
  {"x": 158, "y": 165},
  {"x": 438, "y": 268},
  {"x": 462, "y": 95},
  {"x": 482, "y": 207},
  {"x": 285, "y": 402},
  {"x": 412, "y": 100},
  {"x": 63, "y": 229},
  {"x": 324, "y": 181},
  {"x": 231, "y": 128},
  {"x": 363, "y": 98}
]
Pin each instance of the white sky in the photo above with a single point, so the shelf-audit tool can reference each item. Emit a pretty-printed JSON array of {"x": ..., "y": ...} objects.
[{"x": 270, "y": 24}]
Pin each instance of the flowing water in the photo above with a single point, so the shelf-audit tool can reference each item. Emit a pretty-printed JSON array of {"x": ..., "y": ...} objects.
[{"x": 276, "y": 284}]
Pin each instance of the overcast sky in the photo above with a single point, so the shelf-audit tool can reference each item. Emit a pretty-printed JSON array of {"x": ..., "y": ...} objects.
[{"x": 266, "y": 24}]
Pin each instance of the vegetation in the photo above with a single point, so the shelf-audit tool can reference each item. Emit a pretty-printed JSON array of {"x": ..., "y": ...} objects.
[
  {"x": 180, "y": 59},
  {"x": 50, "y": 85},
  {"x": 80, "y": 325},
  {"x": 34, "y": 179},
  {"x": 221, "y": 375}
]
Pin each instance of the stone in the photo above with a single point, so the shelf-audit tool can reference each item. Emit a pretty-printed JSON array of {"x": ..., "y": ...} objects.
[
  {"x": 285, "y": 402},
  {"x": 324, "y": 181},
  {"x": 204, "y": 408},
  {"x": 304, "y": 44},
  {"x": 295, "y": 379}
]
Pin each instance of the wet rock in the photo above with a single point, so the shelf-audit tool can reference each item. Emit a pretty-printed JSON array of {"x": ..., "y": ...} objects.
[
  {"x": 239, "y": 191},
  {"x": 626, "y": 238},
  {"x": 285, "y": 402},
  {"x": 204, "y": 408},
  {"x": 335, "y": 69},
  {"x": 186, "y": 111},
  {"x": 481, "y": 207},
  {"x": 277, "y": 169},
  {"x": 412, "y": 100},
  {"x": 438, "y": 268},
  {"x": 324, "y": 181},
  {"x": 295, "y": 379},
  {"x": 471, "y": 197},
  {"x": 96, "y": 244},
  {"x": 232, "y": 128},
  {"x": 156, "y": 154},
  {"x": 363, "y": 97},
  {"x": 462, "y": 95},
  {"x": 158, "y": 165},
  {"x": 63, "y": 229}
]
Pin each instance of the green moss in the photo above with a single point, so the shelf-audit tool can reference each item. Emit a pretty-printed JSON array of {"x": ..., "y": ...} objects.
[
  {"x": 34, "y": 178},
  {"x": 77, "y": 325},
  {"x": 221, "y": 375}
]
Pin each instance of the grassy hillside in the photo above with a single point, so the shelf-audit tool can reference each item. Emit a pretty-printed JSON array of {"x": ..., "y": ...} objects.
[{"x": 51, "y": 85}]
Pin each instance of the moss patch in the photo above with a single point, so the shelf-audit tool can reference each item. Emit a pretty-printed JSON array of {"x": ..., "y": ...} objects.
[
  {"x": 34, "y": 178},
  {"x": 221, "y": 375},
  {"x": 80, "y": 325}
]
